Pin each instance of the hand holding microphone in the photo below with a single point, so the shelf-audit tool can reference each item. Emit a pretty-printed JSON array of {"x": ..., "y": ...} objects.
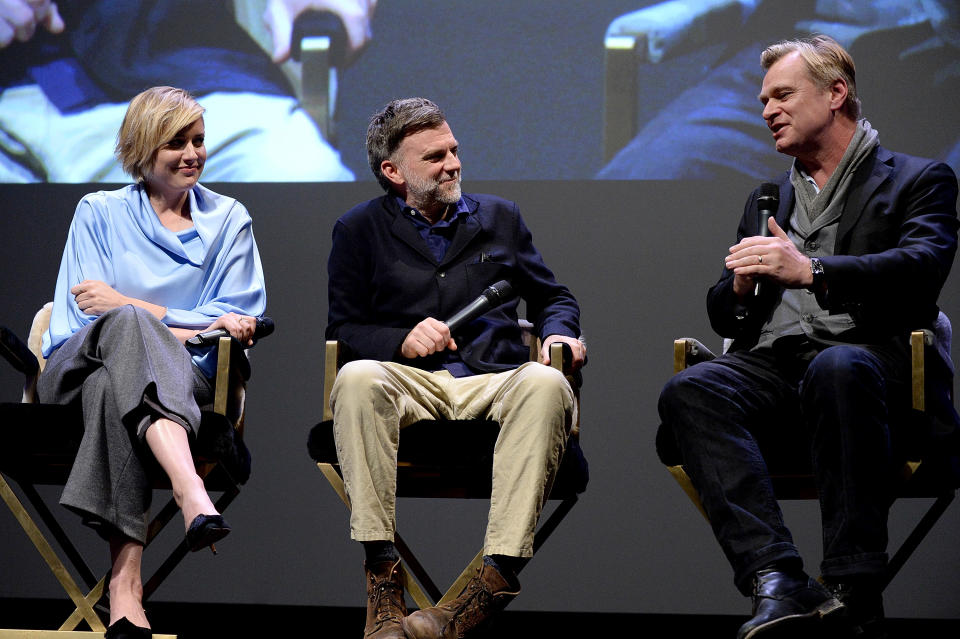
[
  {"x": 770, "y": 254},
  {"x": 432, "y": 335},
  {"x": 263, "y": 326},
  {"x": 746, "y": 257},
  {"x": 767, "y": 203}
]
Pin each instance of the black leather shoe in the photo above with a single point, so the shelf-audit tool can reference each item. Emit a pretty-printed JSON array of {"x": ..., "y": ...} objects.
[
  {"x": 124, "y": 629},
  {"x": 788, "y": 605},
  {"x": 864, "y": 607},
  {"x": 206, "y": 530}
]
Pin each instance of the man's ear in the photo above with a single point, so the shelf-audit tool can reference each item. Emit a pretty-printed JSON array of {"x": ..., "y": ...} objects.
[
  {"x": 838, "y": 94},
  {"x": 391, "y": 170}
]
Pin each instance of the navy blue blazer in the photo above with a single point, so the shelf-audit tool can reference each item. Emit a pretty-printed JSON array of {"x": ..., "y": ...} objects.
[
  {"x": 383, "y": 280},
  {"x": 896, "y": 241},
  {"x": 895, "y": 245}
]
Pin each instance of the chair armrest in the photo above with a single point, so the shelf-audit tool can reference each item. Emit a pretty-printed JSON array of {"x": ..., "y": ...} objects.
[
  {"x": 688, "y": 351},
  {"x": 331, "y": 365},
  {"x": 21, "y": 358},
  {"x": 231, "y": 375}
]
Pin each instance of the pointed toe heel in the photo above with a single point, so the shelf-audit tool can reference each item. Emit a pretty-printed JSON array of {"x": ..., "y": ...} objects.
[{"x": 206, "y": 530}]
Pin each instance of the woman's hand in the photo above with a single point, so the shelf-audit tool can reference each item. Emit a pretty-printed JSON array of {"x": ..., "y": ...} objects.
[
  {"x": 96, "y": 298},
  {"x": 240, "y": 327}
]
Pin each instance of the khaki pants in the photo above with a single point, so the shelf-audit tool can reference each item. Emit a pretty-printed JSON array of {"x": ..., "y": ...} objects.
[{"x": 372, "y": 401}]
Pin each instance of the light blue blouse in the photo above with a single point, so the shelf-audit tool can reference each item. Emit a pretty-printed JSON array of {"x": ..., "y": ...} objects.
[{"x": 198, "y": 274}]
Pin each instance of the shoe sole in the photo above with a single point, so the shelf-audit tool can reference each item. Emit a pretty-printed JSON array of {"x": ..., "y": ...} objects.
[
  {"x": 210, "y": 537},
  {"x": 798, "y": 626}
]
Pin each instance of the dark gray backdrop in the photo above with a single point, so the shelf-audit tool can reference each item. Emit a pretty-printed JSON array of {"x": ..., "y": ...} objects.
[{"x": 638, "y": 255}]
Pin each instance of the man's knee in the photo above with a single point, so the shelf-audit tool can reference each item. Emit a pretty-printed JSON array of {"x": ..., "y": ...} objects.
[
  {"x": 359, "y": 380},
  {"x": 545, "y": 383},
  {"x": 685, "y": 387},
  {"x": 841, "y": 367}
]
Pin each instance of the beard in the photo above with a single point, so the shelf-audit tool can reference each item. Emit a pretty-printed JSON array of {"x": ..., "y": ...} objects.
[{"x": 430, "y": 192}]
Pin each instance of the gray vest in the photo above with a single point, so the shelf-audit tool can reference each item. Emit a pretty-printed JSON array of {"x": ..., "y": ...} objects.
[{"x": 797, "y": 312}]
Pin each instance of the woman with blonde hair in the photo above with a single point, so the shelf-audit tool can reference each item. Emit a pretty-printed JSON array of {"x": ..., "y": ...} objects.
[{"x": 145, "y": 268}]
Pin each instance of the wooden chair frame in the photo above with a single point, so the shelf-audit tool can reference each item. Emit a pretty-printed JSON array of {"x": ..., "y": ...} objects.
[
  {"x": 688, "y": 351},
  {"x": 417, "y": 582},
  {"x": 228, "y": 402}
]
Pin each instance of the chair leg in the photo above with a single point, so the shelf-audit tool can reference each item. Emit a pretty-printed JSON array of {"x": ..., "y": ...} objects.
[
  {"x": 62, "y": 634},
  {"x": 92, "y": 598},
  {"x": 916, "y": 536},
  {"x": 413, "y": 569},
  {"x": 546, "y": 529},
  {"x": 181, "y": 550},
  {"x": 58, "y": 533},
  {"x": 426, "y": 592},
  {"x": 50, "y": 556},
  {"x": 461, "y": 582},
  {"x": 413, "y": 565}
]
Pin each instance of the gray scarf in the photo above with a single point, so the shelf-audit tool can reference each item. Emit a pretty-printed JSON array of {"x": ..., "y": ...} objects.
[{"x": 814, "y": 204}]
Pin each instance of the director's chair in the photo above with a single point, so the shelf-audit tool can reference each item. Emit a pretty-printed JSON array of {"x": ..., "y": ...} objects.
[
  {"x": 38, "y": 447},
  {"x": 425, "y": 468},
  {"x": 792, "y": 474}
]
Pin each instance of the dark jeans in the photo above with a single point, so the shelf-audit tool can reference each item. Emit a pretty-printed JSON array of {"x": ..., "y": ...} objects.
[{"x": 732, "y": 415}]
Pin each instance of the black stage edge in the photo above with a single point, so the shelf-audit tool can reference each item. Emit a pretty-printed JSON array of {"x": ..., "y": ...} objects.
[{"x": 242, "y": 621}]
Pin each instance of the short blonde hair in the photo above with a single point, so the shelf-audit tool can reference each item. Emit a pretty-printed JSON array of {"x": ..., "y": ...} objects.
[
  {"x": 152, "y": 119},
  {"x": 826, "y": 62}
]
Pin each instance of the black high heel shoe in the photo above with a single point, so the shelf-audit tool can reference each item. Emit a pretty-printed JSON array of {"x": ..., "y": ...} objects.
[
  {"x": 124, "y": 629},
  {"x": 206, "y": 530}
]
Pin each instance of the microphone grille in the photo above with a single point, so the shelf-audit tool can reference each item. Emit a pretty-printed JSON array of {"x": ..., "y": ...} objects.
[
  {"x": 770, "y": 190},
  {"x": 500, "y": 292}
]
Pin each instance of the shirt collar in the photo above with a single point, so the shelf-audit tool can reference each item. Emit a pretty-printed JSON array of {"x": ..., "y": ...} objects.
[
  {"x": 806, "y": 176},
  {"x": 460, "y": 209}
]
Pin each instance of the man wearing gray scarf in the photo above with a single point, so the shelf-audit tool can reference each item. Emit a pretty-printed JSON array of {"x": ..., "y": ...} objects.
[{"x": 819, "y": 311}]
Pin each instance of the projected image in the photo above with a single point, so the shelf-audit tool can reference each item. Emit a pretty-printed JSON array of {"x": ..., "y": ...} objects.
[
  {"x": 694, "y": 113},
  {"x": 69, "y": 68},
  {"x": 536, "y": 89}
]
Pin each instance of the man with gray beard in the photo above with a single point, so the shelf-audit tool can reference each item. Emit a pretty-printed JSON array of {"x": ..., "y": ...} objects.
[{"x": 400, "y": 264}]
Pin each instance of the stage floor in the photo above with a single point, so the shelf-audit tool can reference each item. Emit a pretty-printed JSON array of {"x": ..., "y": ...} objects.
[{"x": 205, "y": 621}]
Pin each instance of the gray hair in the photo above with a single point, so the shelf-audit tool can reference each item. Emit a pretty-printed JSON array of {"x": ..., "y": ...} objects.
[
  {"x": 826, "y": 63},
  {"x": 392, "y": 124}
]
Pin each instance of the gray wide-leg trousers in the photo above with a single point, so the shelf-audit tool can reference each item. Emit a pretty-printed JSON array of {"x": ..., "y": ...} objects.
[{"x": 127, "y": 370}]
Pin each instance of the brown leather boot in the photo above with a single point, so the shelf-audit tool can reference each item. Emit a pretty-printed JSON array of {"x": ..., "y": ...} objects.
[
  {"x": 385, "y": 606},
  {"x": 485, "y": 595}
]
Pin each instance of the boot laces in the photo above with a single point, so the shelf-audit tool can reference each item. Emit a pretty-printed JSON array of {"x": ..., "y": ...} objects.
[
  {"x": 385, "y": 595},
  {"x": 473, "y": 606}
]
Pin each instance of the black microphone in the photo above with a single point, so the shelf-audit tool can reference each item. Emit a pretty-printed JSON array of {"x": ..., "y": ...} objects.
[
  {"x": 263, "y": 328},
  {"x": 315, "y": 23},
  {"x": 768, "y": 201},
  {"x": 492, "y": 296}
]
